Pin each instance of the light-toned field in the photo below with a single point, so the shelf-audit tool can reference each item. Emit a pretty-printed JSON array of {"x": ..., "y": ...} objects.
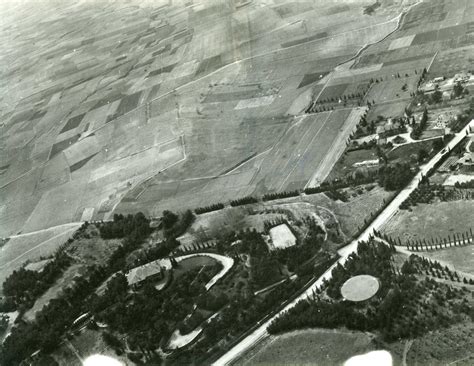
[
  {"x": 312, "y": 346},
  {"x": 360, "y": 288},
  {"x": 282, "y": 237},
  {"x": 32, "y": 247},
  {"x": 431, "y": 220},
  {"x": 87, "y": 343}
]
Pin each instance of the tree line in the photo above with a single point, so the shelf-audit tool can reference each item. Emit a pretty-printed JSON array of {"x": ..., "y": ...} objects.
[{"x": 422, "y": 301}]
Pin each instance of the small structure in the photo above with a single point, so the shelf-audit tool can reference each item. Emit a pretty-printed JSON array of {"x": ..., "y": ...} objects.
[
  {"x": 281, "y": 237},
  {"x": 151, "y": 271},
  {"x": 388, "y": 129},
  {"x": 360, "y": 288},
  {"x": 366, "y": 163}
]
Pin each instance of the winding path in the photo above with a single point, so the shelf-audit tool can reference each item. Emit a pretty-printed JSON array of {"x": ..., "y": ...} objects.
[{"x": 226, "y": 262}]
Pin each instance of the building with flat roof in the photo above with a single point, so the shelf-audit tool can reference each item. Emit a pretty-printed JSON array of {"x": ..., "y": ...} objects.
[{"x": 151, "y": 270}]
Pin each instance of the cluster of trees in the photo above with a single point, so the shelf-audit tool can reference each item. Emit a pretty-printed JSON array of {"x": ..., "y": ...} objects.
[
  {"x": 371, "y": 8},
  {"x": 243, "y": 201},
  {"x": 3, "y": 323},
  {"x": 464, "y": 185},
  {"x": 210, "y": 208},
  {"x": 349, "y": 181},
  {"x": 239, "y": 317},
  {"x": 297, "y": 257},
  {"x": 176, "y": 225},
  {"x": 267, "y": 225},
  {"x": 53, "y": 320},
  {"x": 23, "y": 286},
  {"x": 421, "y": 265},
  {"x": 147, "y": 317},
  {"x": 418, "y": 129},
  {"x": 422, "y": 77},
  {"x": 364, "y": 146},
  {"x": 464, "y": 118},
  {"x": 395, "y": 177},
  {"x": 137, "y": 226},
  {"x": 459, "y": 90},
  {"x": 427, "y": 192},
  {"x": 422, "y": 302},
  {"x": 335, "y": 195}
]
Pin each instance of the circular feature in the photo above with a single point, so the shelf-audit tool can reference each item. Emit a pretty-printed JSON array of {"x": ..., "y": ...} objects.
[{"x": 360, "y": 288}]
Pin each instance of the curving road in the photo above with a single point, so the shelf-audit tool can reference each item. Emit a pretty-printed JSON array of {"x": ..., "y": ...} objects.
[{"x": 261, "y": 332}]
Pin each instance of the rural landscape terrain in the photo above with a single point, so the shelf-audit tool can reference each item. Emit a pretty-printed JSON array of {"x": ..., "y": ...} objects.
[{"x": 240, "y": 182}]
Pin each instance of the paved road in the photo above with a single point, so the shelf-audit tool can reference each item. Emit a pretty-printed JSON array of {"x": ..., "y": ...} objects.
[{"x": 385, "y": 215}]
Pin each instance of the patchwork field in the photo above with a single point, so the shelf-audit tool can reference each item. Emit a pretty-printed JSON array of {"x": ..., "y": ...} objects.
[{"x": 171, "y": 106}]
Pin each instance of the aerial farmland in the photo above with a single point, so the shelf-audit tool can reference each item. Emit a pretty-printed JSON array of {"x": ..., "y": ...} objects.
[{"x": 267, "y": 151}]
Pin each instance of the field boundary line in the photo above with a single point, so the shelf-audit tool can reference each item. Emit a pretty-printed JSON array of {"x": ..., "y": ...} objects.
[{"x": 37, "y": 246}]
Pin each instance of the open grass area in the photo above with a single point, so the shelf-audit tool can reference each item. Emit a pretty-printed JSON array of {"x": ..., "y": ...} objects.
[
  {"x": 461, "y": 258},
  {"x": 452, "y": 346},
  {"x": 32, "y": 248},
  {"x": 409, "y": 152},
  {"x": 431, "y": 220},
  {"x": 192, "y": 263},
  {"x": 312, "y": 346},
  {"x": 351, "y": 162}
]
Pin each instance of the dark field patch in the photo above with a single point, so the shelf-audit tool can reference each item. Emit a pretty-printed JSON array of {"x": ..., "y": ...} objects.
[
  {"x": 127, "y": 104},
  {"x": 333, "y": 91},
  {"x": 209, "y": 64},
  {"x": 80, "y": 163},
  {"x": 4, "y": 168},
  {"x": 162, "y": 70},
  {"x": 62, "y": 145},
  {"x": 162, "y": 50},
  {"x": 107, "y": 100},
  {"x": 424, "y": 14},
  {"x": 37, "y": 115},
  {"x": 154, "y": 92},
  {"x": 304, "y": 40},
  {"x": 407, "y": 59},
  {"x": 231, "y": 96},
  {"x": 182, "y": 34},
  {"x": 144, "y": 63},
  {"x": 72, "y": 123},
  {"x": 311, "y": 78},
  {"x": 441, "y": 34},
  {"x": 87, "y": 41}
]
